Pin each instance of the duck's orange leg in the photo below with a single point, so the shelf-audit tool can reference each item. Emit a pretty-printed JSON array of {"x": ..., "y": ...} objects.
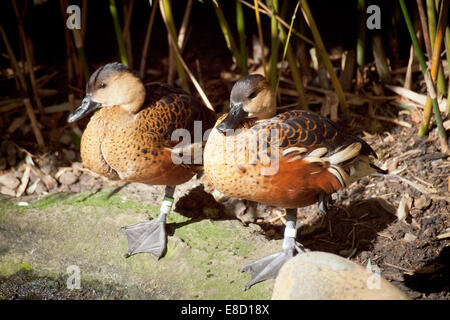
[{"x": 150, "y": 236}]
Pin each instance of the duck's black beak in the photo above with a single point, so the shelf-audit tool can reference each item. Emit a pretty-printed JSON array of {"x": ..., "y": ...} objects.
[
  {"x": 87, "y": 106},
  {"x": 234, "y": 117}
]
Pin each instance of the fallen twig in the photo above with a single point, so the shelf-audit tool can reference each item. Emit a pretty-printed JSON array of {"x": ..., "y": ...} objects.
[
  {"x": 442, "y": 236},
  {"x": 410, "y": 183},
  {"x": 24, "y": 181},
  {"x": 408, "y": 271},
  {"x": 381, "y": 118},
  {"x": 16, "y": 124},
  {"x": 416, "y": 97},
  {"x": 280, "y": 216},
  {"x": 34, "y": 123}
]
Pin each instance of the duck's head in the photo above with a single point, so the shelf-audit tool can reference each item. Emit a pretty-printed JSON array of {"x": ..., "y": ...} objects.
[
  {"x": 114, "y": 84},
  {"x": 251, "y": 97}
]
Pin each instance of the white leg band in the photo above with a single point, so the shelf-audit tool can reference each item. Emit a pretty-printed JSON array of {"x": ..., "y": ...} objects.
[
  {"x": 290, "y": 232},
  {"x": 166, "y": 206}
]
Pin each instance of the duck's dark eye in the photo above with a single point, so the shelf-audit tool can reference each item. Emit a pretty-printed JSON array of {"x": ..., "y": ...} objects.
[
  {"x": 102, "y": 85},
  {"x": 252, "y": 95}
]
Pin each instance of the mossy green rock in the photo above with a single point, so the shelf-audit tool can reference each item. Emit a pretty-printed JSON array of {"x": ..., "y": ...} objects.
[
  {"x": 203, "y": 258},
  {"x": 325, "y": 276}
]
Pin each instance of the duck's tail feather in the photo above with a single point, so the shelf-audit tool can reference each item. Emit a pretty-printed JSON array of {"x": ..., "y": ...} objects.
[
  {"x": 379, "y": 170},
  {"x": 350, "y": 164}
]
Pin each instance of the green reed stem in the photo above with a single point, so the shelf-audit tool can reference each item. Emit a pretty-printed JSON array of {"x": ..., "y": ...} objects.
[
  {"x": 240, "y": 21},
  {"x": 274, "y": 44},
  {"x": 227, "y": 34},
  {"x": 118, "y": 30},
  {"x": 325, "y": 59},
  {"x": 167, "y": 7},
  {"x": 292, "y": 61},
  {"x": 260, "y": 35},
  {"x": 432, "y": 23},
  {"x": 360, "y": 44}
]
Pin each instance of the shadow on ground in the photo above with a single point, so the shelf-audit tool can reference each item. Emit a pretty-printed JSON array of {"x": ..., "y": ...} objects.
[
  {"x": 29, "y": 285},
  {"x": 434, "y": 276},
  {"x": 351, "y": 229}
]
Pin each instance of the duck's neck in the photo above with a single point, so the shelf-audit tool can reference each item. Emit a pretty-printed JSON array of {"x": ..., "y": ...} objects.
[
  {"x": 265, "y": 106},
  {"x": 137, "y": 92},
  {"x": 134, "y": 107},
  {"x": 267, "y": 115}
]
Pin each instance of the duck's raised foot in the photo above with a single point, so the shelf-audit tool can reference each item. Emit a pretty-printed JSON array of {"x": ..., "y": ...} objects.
[
  {"x": 324, "y": 201},
  {"x": 268, "y": 267},
  {"x": 148, "y": 236}
]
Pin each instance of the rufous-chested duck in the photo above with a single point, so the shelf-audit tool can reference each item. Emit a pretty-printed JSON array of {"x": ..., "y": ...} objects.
[
  {"x": 290, "y": 160},
  {"x": 130, "y": 138}
]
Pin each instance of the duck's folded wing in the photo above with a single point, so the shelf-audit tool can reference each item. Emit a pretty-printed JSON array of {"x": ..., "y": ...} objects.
[
  {"x": 307, "y": 139},
  {"x": 156, "y": 91},
  {"x": 311, "y": 131},
  {"x": 171, "y": 108}
]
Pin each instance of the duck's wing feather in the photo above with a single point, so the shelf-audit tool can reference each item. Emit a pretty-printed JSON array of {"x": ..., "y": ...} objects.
[
  {"x": 308, "y": 138},
  {"x": 168, "y": 108},
  {"x": 310, "y": 131},
  {"x": 156, "y": 91}
]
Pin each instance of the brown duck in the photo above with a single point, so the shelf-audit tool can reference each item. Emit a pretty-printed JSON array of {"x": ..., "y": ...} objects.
[
  {"x": 291, "y": 160},
  {"x": 130, "y": 138}
]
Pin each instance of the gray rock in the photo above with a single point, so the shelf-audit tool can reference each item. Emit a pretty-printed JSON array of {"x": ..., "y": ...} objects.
[
  {"x": 36, "y": 187},
  {"x": 49, "y": 182},
  {"x": 7, "y": 191},
  {"x": 76, "y": 187},
  {"x": 77, "y": 167},
  {"x": 9, "y": 180},
  {"x": 40, "y": 188},
  {"x": 67, "y": 178},
  {"x": 87, "y": 181},
  {"x": 33, "y": 176},
  {"x": 325, "y": 276}
]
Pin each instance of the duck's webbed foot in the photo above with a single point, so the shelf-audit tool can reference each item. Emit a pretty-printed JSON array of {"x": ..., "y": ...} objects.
[
  {"x": 268, "y": 267},
  {"x": 324, "y": 201},
  {"x": 150, "y": 236}
]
